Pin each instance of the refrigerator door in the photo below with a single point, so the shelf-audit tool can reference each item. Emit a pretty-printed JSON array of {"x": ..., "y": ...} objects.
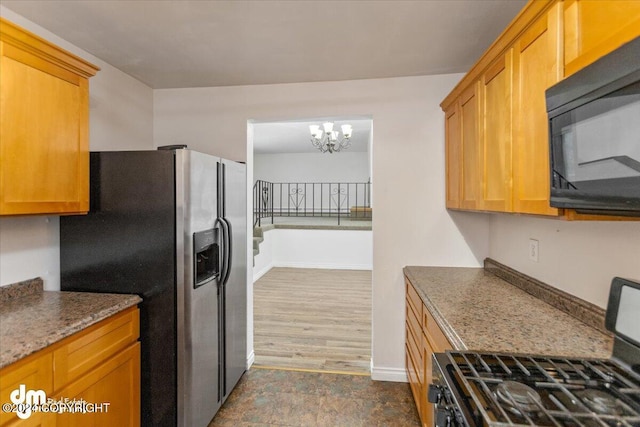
[
  {"x": 198, "y": 305},
  {"x": 235, "y": 288}
]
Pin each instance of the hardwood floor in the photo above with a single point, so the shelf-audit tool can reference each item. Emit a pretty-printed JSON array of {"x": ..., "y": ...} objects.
[{"x": 313, "y": 319}]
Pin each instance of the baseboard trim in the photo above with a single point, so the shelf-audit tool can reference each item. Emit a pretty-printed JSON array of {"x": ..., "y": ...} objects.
[
  {"x": 259, "y": 274},
  {"x": 317, "y": 371},
  {"x": 389, "y": 374},
  {"x": 326, "y": 266},
  {"x": 250, "y": 359}
]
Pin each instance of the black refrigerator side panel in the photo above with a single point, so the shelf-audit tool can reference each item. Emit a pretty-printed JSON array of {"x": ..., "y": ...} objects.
[{"x": 126, "y": 244}]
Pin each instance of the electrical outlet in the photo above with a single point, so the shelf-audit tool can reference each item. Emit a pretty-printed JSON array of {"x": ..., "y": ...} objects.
[{"x": 533, "y": 250}]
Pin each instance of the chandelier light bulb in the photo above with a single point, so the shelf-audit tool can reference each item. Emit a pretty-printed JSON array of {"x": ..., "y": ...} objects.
[
  {"x": 328, "y": 127},
  {"x": 315, "y": 131},
  {"x": 346, "y": 131}
]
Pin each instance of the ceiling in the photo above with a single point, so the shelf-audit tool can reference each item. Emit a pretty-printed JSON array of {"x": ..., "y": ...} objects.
[
  {"x": 294, "y": 136},
  {"x": 171, "y": 44}
]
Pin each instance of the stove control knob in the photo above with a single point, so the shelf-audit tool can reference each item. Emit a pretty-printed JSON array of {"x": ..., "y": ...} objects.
[
  {"x": 443, "y": 417},
  {"x": 458, "y": 417},
  {"x": 434, "y": 394},
  {"x": 447, "y": 396}
]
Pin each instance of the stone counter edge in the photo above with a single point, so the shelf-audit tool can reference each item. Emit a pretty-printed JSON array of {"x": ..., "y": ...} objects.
[{"x": 454, "y": 339}]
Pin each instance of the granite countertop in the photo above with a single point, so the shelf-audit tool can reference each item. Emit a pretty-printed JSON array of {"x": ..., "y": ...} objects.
[
  {"x": 477, "y": 310},
  {"x": 32, "y": 319}
]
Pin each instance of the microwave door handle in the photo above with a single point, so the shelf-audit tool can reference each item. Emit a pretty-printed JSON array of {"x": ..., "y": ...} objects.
[{"x": 625, "y": 160}]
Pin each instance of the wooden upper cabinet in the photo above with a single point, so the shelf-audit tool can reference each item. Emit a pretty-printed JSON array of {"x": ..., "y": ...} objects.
[
  {"x": 593, "y": 28},
  {"x": 497, "y": 135},
  {"x": 536, "y": 67},
  {"x": 470, "y": 149},
  {"x": 453, "y": 146},
  {"x": 44, "y": 126},
  {"x": 495, "y": 96}
]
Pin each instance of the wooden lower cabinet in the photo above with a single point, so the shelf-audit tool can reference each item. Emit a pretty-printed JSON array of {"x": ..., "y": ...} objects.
[
  {"x": 98, "y": 367},
  {"x": 423, "y": 338},
  {"x": 116, "y": 383}
]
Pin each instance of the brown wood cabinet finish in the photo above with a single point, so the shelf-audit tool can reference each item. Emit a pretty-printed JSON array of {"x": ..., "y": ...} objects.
[
  {"x": 593, "y": 28},
  {"x": 549, "y": 39},
  {"x": 452, "y": 156},
  {"x": 423, "y": 338},
  {"x": 496, "y": 135},
  {"x": 536, "y": 67},
  {"x": 99, "y": 364},
  {"x": 470, "y": 149},
  {"x": 44, "y": 126}
]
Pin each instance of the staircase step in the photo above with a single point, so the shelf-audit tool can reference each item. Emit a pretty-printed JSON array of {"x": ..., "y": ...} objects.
[{"x": 256, "y": 242}]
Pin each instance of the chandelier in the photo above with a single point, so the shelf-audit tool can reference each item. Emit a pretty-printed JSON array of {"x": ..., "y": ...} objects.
[{"x": 326, "y": 139}]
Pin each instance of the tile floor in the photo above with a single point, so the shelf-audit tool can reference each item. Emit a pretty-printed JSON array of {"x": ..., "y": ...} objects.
[{"x": 268, "y": 397}]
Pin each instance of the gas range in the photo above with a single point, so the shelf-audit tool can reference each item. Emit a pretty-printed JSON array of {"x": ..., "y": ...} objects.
[{"x": 495, "y": 389}]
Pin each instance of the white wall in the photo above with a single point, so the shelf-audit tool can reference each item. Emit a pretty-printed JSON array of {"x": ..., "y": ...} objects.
[
  {"x": 408, "y": 171},
  {"x": 579, "y": 257},
  {"x": 312, "y": 167},
  {"x": 335, "y": 249},
  {"x": 338, "y": 249},
  {"x": 121, "y": 117}
]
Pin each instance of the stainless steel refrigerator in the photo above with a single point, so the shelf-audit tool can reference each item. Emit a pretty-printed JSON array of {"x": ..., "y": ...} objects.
[{"x": 169, "y": 225}]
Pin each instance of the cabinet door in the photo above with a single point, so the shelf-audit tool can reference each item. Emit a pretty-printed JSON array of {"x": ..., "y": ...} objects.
[
  {"x": 434, "y": 341},
  {"x": 36, "y": 374},
  {"x": 44, "y": 150},
  {"x": 594, "y": 28},
  {"x": 412, "y": 374},
  {"x": 427, "y": 408},
  {"x": 453, "y": 145},
  {"x": 115, "y": 382},
  {"x": 536, "y": 67},
  {"x": 470, "y": 179},
  {"x": 496, "y": 135}
]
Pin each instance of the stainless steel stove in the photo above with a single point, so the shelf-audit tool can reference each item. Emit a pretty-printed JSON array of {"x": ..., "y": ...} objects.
[{"x": 488, "y": 389}]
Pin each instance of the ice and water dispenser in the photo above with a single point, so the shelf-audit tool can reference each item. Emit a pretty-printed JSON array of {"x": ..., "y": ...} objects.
[{"x": 206, "y": 256}]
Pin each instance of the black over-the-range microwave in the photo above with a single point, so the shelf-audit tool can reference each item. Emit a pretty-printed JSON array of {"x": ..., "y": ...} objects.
[{"x": 594, "y": 136}]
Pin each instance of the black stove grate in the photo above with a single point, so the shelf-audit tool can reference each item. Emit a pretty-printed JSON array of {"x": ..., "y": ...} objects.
[{"x": 522, "y": 390}]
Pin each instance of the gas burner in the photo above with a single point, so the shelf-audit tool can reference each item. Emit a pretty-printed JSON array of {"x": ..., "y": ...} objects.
[
  {"x": 518, "y": 397},
  {"x": 599, "y": 401}
]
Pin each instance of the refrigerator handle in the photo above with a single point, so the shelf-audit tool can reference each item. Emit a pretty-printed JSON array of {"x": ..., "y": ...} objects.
[
  {"x": 221, "y": 225},
  {"x": 228, "y": 249}
]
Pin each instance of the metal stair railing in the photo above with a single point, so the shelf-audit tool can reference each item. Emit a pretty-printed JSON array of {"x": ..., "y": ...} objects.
[{"x": 311, "y": 199}]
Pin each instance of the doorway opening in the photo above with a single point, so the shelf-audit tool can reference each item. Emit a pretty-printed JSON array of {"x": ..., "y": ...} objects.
[{"x": 312, "y": 247}]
